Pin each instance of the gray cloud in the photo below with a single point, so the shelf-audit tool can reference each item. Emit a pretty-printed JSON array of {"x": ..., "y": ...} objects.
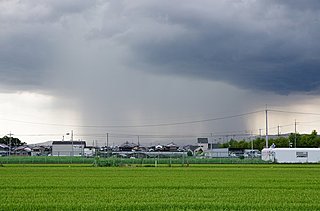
[
  {"x": 264, "y": 45},
  {"x": 147, "y": 61},
  {"x": 254, "y": 45}
]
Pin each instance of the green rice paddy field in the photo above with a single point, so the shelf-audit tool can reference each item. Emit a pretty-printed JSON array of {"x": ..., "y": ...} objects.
[{"x": 197, "y": 187}]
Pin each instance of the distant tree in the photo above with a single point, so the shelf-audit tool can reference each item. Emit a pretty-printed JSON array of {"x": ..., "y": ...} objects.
[
  {"x": 14, "y": 141},
  {"x": 243, "y": 144},
  {"x": 259, "y": 143},
  {"x": 306, "y": 140},
  {"x": 189, "y": 153},
  {"x": 295, "y": 138}
]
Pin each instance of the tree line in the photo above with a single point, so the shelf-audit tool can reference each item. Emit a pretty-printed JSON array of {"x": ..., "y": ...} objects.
[
  {"x": 15, "y": 142},
  {"x": 293, "y": 140}
]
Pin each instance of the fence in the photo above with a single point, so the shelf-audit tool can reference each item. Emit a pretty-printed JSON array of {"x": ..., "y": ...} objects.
[
  {"x": 45, "y": 160},
  {"x": 114, "y": 161}
]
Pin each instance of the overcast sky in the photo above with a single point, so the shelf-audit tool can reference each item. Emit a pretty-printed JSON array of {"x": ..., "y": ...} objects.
[{"x": 151, "y": 62}]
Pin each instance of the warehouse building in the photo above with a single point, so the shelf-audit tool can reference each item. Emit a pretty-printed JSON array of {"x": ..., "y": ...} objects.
[
  {"x": 68, "y": 148},
  {"x": 291, "y": 155}
]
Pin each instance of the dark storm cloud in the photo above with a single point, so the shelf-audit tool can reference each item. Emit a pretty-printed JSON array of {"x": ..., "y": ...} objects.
[
  {"x": 260, "y": 45},
  {"x": 250, "y": 44},
  {"x": 30, "y": 38},
  {"x": 24, "y": 62}
]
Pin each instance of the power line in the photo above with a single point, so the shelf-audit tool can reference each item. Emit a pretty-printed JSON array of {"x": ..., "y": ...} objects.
[
  {"x": 138, "y": 126},
  {"x": 295, "y": 112},
  {"x": 122, "y": 135}
]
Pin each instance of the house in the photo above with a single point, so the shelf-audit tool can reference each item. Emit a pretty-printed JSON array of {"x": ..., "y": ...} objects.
[
  {"x": 41, "y": 151},
  {"x": 203, "y": 143},
  {"x": 22, "y": 151},
  {"x": 68, "y": 148},
  {"x": 171, "y": 147},
  {"x": 158, "y": 147},
  {"x": 127, "y": 147},
  {"x": 139, "y": 149},
  {"x": 4, "y": 150}
]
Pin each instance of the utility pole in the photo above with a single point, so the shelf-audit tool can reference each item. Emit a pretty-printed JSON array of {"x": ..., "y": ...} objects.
[
  {"x": 71, "y": 135},
  {"x": 295, "y": 133},
  {"x": 267, "y": 144},
  {"x": 211, "y": 140},
  {"x": 107, "y": 144},
  {"x": 260, "y": 132},
  {"x": 10, "y": 138},
  {"x": 72, "y": 142},
  {"x": 251, "y": 142},
  {"x": 278, "y": 130},
  {"x": 138, "y": 140}
]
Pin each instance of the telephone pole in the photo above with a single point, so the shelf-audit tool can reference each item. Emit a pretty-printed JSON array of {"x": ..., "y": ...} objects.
[
  {"x": 295, "y": 133},
  {"x": 10, "y": 138},
  {"x": 106, "y": 146},
  {"x": 267, "y": 144},
  {"x": 72, "y": 142},
  {"x": 260, "y": 132},
  {"x": 278, "y": 130},
  {"x": 251, "y": 138}
]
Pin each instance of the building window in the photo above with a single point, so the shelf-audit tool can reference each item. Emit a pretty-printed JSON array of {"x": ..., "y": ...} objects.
[{"x": 302, "y": 154}]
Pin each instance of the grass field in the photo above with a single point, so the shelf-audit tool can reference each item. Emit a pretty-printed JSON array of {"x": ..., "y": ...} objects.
[
  {"x": 112, "y": 161},
  {"x": 197, "y": 187}
]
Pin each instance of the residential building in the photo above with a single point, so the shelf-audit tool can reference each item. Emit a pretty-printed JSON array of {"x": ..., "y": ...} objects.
[
  {"x": 4, "y": 150},
  {"x": 22, "y": 151},
  {"x": 41, "y": 151},
  {"x": 203, "y": 143},
  {"x": 127, "y": 146}
]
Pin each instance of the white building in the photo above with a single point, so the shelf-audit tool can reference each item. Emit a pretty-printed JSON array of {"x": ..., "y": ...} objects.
[
  {"x": 291, "y": 155},
  {"x": 217, "y": 153},
  {"x": 68, "y": 148},
  {"x": 203, "y": 143}
]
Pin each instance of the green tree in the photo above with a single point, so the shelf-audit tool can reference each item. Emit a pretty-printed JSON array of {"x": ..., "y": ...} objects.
[
  {"x": 14, "y": 141},
  {"x": 189, "y": 153}
]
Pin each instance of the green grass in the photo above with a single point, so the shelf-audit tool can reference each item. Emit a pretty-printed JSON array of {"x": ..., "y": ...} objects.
[
  {"x": 45, "y": 160},
  {"x": 121, "y": 161},
  {"x": 197, "y": 187}
]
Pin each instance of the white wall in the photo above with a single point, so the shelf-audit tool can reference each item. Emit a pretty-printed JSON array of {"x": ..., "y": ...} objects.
[
  {"x": 67, "y": 150},
  {"x": 220, "y": 152},
  {"x": 291, "y": 155}
]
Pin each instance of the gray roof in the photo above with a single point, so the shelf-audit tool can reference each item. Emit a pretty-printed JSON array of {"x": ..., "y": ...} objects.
[
  {"x": 69, "y": 143},
  {"x": 23, "y": 148},
  {"x": 203, "y": 140},
  {"x": 128, "y": 145},
  {"x": 4, "y": 146},
  {"x": 171, "y": 144}
]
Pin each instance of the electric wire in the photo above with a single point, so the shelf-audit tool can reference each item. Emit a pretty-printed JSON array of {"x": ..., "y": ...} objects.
[
  {"x": 139, "y": 126},
  {"x": 294, "y": 112}
]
